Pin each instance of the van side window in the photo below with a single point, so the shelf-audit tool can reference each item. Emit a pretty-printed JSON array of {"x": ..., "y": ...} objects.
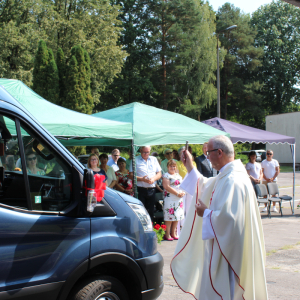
[
  {"x": 12, "y": 186},
  {"x": 50, "y": 178}
]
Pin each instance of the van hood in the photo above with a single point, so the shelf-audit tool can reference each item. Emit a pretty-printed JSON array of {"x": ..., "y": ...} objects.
[{"x": 129, "y": 199}]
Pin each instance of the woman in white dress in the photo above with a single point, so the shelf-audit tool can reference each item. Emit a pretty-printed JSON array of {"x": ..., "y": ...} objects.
[
  {"x": 254, "y": 169},
  {"x": 173, "y": 202}
]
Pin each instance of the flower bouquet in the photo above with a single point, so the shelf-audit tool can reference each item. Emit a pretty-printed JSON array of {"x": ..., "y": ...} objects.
[{"x": 160, "y": 231}]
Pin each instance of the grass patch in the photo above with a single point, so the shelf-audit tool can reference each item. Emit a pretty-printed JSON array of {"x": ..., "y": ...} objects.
[
  {"x": 286, "y": 169},
  {"x": 271, "y": 252},
  {"x": 287, "y": 247}
]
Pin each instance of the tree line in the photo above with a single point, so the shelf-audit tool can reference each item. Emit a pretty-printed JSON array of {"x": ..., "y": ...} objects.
[{"x": 93, "y": 55}]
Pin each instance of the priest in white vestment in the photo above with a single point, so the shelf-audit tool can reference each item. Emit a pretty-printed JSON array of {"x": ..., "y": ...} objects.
[{"x": 220, "y": 253}]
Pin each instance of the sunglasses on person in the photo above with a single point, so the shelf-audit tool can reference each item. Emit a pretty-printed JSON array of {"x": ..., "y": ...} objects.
[
  {"x": 31, "y": 158},
  {"x": 269, "y": 153},
  {"x": 169, "y": 153},
  {"x": 93, "y": 159},
  {"x": 116, "y": 155}
]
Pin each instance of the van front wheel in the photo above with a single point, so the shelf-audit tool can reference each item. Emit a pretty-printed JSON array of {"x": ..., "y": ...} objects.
[{"x": 100, "y": 288}]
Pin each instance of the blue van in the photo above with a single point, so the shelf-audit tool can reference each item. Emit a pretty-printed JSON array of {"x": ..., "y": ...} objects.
[{"x": 52, "y": 246}]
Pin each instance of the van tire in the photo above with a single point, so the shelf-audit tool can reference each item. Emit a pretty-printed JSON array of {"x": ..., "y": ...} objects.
[{"x": 96, "y": 287}]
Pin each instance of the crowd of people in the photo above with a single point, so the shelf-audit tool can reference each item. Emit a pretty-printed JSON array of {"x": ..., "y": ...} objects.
[
  {"x": 114, "y": 169},
  {"x": 156, "y": 176}
]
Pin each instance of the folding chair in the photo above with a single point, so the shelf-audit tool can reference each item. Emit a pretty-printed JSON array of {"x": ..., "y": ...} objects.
[
  {"x": 274, "y": 190},
  {"x": 261, "y": 192}
]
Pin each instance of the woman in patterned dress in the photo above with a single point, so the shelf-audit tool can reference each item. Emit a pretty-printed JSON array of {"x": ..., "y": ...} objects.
[
  {"x": 173, "y": 202},
  {"x": 124, "y": 183}
]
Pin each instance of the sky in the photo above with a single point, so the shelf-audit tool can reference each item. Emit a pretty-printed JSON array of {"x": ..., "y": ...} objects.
[{"x": 244, "y": 5}]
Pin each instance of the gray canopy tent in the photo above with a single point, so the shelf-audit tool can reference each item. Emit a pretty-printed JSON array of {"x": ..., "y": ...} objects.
[{"x": 246, "y": 134}]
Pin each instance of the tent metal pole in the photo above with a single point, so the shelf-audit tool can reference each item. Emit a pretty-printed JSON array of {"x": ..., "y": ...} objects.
[
  {"x": 294, "y": 174},
  {"x": 134, "y": 169}
]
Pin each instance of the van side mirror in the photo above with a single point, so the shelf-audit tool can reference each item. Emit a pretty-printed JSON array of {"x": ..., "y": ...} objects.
[{"x": 89, "y": 186}]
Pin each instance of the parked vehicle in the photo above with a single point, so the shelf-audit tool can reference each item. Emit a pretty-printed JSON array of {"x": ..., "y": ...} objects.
[
  {"x": 53, "y": 244},
  {"x": 260, "y": 154}
]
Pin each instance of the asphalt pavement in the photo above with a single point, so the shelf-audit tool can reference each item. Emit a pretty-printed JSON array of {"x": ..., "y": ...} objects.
[{"x": 282, "y": 243}]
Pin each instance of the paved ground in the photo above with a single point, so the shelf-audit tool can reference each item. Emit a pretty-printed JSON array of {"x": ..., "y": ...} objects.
[{"x": 282, "y": 242}]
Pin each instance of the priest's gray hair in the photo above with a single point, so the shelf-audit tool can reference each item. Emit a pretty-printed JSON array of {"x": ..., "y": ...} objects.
[{"x": 224, "y": 143}]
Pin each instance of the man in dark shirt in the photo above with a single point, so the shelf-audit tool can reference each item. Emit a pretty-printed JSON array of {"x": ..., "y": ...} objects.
[{"x": 204, "y": 165}]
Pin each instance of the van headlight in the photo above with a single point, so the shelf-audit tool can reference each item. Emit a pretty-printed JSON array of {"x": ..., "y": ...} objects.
[{"x": 143, "y": 215}]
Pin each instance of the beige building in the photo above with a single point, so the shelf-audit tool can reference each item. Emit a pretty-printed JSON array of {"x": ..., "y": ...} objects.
[{"x": 286, "y": 124}]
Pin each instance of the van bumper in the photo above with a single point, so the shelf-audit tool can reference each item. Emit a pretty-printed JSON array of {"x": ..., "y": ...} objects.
[{"x": 152, "y": 266}]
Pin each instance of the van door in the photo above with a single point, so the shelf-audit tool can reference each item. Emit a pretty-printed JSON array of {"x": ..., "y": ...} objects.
[{"x": 38, "y": 245}]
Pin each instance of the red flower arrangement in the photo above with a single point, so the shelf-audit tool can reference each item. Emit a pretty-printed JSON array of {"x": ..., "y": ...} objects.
[
  {"x": 160, "y": 231},
  {"x": 157, "y": 226}
]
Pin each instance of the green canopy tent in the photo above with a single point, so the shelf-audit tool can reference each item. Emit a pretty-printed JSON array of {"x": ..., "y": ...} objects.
[
  {"x": 154, "y": 126},
  {"x": 68, "y": 125}
]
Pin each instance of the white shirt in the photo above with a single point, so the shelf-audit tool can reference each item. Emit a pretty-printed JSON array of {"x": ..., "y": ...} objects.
[
  {"x": 111, "y": 176},
  {"x": 254, "y": 169},
  {"x": 269, "y": 168},
  {"x": 147, "y": 167},
  {"x": 112, "y": 164}
]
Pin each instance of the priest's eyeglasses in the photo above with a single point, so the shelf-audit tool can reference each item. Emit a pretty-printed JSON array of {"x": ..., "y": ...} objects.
[{"x": 208, "y": 152}]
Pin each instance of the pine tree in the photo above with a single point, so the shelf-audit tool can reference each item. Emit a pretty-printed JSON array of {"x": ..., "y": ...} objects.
[
  {"x": 239, "y": 87},
  {"x": 78, "y": 82},
  {"x": 183, "y": 45},
  {"x": 52, "y": 79},
  {"x": 61, "y": 66},
  {"x": 134, "y": 83},
  {"x": 40, "y": 70},
  {"x": 45, "y": 74}
]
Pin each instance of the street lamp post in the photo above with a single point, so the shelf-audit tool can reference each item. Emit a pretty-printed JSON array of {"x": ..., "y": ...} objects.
[{"x": 218, "y": 70}]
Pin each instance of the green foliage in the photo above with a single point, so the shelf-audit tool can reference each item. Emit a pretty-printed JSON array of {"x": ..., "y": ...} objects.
[
  {"x": 77, "y": 150},
  {"x": 171, "y": 62},
  {"x": 18, "y": 39},
  {"x": 61, "y": 24},
  {"x": 240, "y": 89},
  {"x": 94, "y": 25},
  {"x": 239, "y": 148},
  {"x": 278, "y": 33},
  {"x": 53, "y": 79},
  {"x": 45, "y": 74},
  {"x": 61, "y": 66},
  {"x": 160, "y": 232},
  {"x": 78, "y": 80},
  {"x": 197, "y": 149},
  {"x": 40, "y": 70},
  {"x": 182, "y": 43},
  {"x": 134, "y": 82},
  {"x": 200, "y": 90}
]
